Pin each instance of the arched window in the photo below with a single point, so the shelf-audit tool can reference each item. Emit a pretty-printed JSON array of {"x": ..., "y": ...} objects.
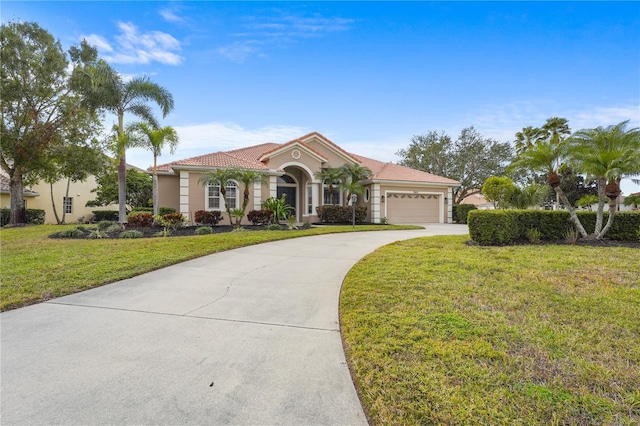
[{"x": 214, "y": 196}]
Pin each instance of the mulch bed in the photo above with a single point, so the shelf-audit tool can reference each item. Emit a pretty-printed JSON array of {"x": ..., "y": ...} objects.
[{"x": 153, "y": 231}]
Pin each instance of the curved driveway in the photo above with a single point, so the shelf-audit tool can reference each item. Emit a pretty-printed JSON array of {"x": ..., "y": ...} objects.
[{"x": 247, "y": 337}]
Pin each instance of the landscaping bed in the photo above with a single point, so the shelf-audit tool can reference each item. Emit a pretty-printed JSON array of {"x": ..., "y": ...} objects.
[{"x": 154, "y": 231}]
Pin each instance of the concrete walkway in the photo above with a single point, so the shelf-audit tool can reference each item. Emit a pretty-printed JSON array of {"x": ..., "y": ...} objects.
[{"x": 246, "y": 337}]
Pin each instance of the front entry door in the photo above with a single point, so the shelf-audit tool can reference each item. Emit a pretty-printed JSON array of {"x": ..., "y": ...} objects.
[{"x": 291, "y": 197}]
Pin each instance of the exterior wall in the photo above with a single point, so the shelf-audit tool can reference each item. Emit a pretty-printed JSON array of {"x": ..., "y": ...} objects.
[
  {"x": 5, "y": 201},
  {"x": 169, "y": 191},
  {"x": 80, "y": 192},
  {"x": 333, "y": 159}
]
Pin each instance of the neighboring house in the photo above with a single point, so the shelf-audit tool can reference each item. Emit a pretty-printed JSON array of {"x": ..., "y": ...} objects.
[
  {"x": 73, "y": 203},
  {"x": 397, "y": 193},
  {"x": 479, "y": 201},
  {"x": 5, "y": 195}
]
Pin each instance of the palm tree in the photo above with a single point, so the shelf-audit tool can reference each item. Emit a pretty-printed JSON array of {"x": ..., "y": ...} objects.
[
  {"x": 527, "y": 138},
  {"x": 545, "y": 155},
  {"x": 608, "y": 154},
  {"x": 330, "y": 176},
  {"x": 247, "y": 177},
  {"x": 154, "y": 139},
  {"x": 354, "y": 173},
  {"x": 115, "y": 95},
  {"x": 220, "y": 177},
  {"x": 531, "y": 195}
]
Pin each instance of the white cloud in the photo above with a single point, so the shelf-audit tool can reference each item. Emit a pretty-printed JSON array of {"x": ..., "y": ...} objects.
[
  {"x": 206, "y": 138},
  {"x": 239, "y": 50},
  {"x": 135, "y": 47},
  {"x": 98, "y": 41},
  {"x": 170, "y": 15}
]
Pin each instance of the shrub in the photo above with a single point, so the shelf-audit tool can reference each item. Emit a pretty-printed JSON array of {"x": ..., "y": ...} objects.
[
  {"x": 281, "y": 210},
  {"x": 204, "y": 230},
  {"x": 341, "y": 214},
  {"x": 34, "y": 216},
  {"x": 97, "y": 234},
  {"x": 131, "y": 233},
  {"x": 260, "y": 217},
  {"x": 571, "y": 236},
  {"x": 211, "y": 218},
  {"x": 142, "y": 209},
  {"x": 114, "y": 227},
  {"x": 140, "y": 219},
  {"x": 305, "y": 225},
  {"x": 100, "y": 215},
  {"x": 274, "y": 227},
  {"x": 105, "y": 224},
  {"x": 173, "y": 220},
  {"x": 291, "y": 223},
  {"x": 462, "y": 211},
  {"x": 533, "y": 235},
  {"x": 165, "y": 210},
  {"x": 493, "y": 227},
  {"x": 237, "y": 214},
  {"x": 70, "y": 233}
]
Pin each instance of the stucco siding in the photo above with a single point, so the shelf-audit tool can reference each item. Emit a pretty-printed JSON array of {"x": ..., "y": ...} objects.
[{"x": 169, "y": 191}]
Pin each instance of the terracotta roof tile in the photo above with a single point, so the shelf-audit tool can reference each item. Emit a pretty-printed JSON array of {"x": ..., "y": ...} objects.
[{"x": 396, "y": 172}]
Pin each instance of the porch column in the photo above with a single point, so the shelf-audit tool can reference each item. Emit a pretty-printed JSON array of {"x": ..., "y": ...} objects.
[
  {"x": 184, "y": 194},
  {"x": 273, "y": 186},
  {"x": 257, "y": 195},
  {"x": 376, "y": 207},
  {"x": 450, "y": 205}
]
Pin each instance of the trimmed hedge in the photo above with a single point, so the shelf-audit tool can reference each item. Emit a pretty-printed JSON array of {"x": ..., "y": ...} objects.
[
  {"x": 34, "y": 216},
  {"x": 165, "y": 210},
  {"x": 100, "y": 215},
  {"x": 341, "y": 214},
  {"x": 500, "y": 227},
  {"x": 462, "y": 212}
]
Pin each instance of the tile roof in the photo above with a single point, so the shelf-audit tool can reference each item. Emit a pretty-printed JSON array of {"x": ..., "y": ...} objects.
[
  {"x": 249, "y": 157},
  {"x": 5, "y": 187}
]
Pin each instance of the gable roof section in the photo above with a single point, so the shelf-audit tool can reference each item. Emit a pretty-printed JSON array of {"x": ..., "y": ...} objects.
[
  {"x": 294, "y": 143},
  {"x": 5, "y": 188},
  {"x": 256, "y": 158}
]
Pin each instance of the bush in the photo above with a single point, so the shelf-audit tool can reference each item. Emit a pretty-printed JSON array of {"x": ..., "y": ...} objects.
[
  {"x": 140, "y": 219},
  {"x": 341, "y": 214},
  {"x": 165, "y": 210},
  {"x": 132, "y": 233},
  {"x": 260, "y": 217},
  {"x": 211, "y": 218},
  {"x": 204, "y": 230},
  {"x": 274, "y": 227},
  {"x": 97, "y": 234},
  {"x": 114, "y": 227},
  {"x": 106, "y": 223},
  {"x": 499, "y": 227},
  {"x": 100, "y": 215},
  {"x": 34, "y": 216},
  {"x": 142, "y": 209},
  {"x": 171, "y": 220},
  {"x": 462, "y": 211},
  {"x": 70, "y": 233}
]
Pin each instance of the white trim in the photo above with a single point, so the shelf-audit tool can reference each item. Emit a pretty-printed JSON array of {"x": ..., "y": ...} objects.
[
  {"x": 331, "y": 148},
  {"x": 184, "y": 193},
  {"x": 439, "y": 194},
  {"x": 257, "y": 195},
  {"x": 222, "y": 200},
  {"x": 302, "y": 166},
  {"x": 273, "y": 186},
  {"x": 376, "y": 206},
  {"x": 410, "y": 183},
  {"x": 296, "y": 145}
]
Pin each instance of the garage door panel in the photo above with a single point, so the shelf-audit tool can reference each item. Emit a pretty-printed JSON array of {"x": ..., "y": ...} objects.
[{"x": 412, "y": 208}]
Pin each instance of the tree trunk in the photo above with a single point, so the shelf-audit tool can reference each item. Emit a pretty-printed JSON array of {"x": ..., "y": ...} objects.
[
  {"x": 572, "y": 212},
  {"x": 156, "y": 208},
  {"x": 122, "y": 172},
  {"x": 18, "y": 214},
  {"x": 602, "y": 182},
  {"x": 53, "y": 204},
  {"x": 223, "y": 192},
  {"x": 612, "y": 212}
]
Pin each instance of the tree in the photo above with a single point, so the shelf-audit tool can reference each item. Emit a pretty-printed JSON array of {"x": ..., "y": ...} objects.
[
  {"x": 574, "y": 185},
  {"x": 608, "y": 154},
  {"x": 154, "y": 139},
  {"x": 330, "y": 176},
  {"x": 352, "y": 175},
  {"x": 529, "y": 196},
  {"x": 139, "y": 188},
  {"x": 115, "y": 95},
  {"x": 498, "y": 190},
  {"x": 470, "y": 159},
  {"x": 220, "y": 177},
  {"x": 38, "y": 103},
  {"x": 247, "y": 177}
]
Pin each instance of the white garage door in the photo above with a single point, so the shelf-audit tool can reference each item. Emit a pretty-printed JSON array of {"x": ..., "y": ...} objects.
[{"x": 413, "y": 208}]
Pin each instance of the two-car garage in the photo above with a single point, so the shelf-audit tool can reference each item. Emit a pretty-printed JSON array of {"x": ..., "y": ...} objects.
[{"x": 405, "y": 207}]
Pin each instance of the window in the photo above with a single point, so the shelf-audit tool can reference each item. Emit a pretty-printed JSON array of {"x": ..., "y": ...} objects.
[
  {"x": 213, "y": 196},
  {"x": 67, "y": 204},
  {"x": 367, "y": 194},
  {"x": 309, "y": 199},
  {"x": 335, "y": 199}
]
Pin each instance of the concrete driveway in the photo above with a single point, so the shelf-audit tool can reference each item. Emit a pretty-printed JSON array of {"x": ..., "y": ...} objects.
[{"x": 246, "y": 337}]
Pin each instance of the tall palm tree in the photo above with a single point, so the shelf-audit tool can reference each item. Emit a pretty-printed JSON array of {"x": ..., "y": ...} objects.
[
  {"x": 247, "y": 177},
  {"x": 354, "y": 173},
  {"x": 119, "y": 97},
  {"x": 530, "y": 195},
  {"x": 154, "y": 139},
  {"x": 330, "y": 176},
  {"x": 220, "y": 177},
  {"x": 527, "y": 138},
  {"x": 607, "y": 154}
]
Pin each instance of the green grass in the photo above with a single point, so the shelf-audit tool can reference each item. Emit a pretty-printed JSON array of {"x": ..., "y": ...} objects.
[
  {"x": 439, "y": 332},
  {"x": 36, "y": 268}
]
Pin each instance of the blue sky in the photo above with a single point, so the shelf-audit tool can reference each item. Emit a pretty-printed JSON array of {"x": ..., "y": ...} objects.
[{"x": 368, "y": 75}]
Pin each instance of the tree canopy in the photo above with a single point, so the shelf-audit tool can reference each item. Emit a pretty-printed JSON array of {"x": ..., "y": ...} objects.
[{"x": 469, "y": 159}]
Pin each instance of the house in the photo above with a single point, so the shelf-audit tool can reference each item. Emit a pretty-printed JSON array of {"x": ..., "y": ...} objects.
[
  {"x": 5, "y": 195},
  {"x": 394, "y": 192}
]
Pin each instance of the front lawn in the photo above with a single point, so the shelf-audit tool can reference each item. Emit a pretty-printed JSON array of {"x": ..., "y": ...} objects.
[
  {"x": 440, "y": 332},
  {"x": 36, "y": 268}
]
